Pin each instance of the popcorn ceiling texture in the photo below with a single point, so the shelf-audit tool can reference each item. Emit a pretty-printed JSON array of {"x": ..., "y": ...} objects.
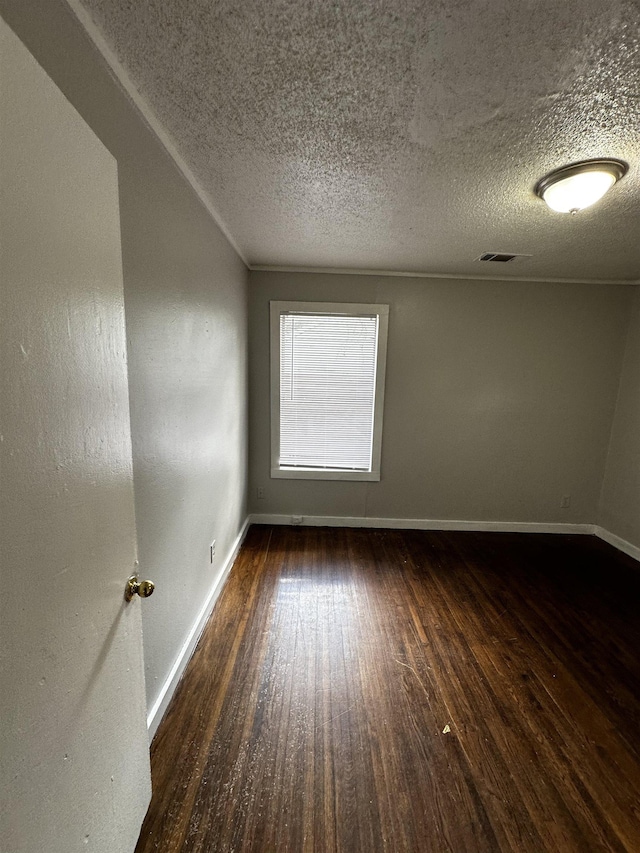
[{"x": 397, "y": 135}]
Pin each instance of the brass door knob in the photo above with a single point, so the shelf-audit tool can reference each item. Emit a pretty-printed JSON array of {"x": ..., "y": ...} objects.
[{"x": 135, "y": 587}]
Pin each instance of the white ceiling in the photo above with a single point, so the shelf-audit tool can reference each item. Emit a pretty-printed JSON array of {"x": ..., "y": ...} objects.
[{"x": 396, "y": 134}]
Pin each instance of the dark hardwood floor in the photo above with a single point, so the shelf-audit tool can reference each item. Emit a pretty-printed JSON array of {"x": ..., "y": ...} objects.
[{"x": 411, "y": 692}]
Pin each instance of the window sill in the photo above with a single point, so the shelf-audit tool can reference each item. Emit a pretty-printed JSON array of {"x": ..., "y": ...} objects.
[{"x": 325, "y": 474}]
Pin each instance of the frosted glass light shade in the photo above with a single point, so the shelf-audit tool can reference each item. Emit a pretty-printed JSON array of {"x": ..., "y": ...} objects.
[
  {"x": 572, "y": 188},
  {"x": 578, "y": 192}
]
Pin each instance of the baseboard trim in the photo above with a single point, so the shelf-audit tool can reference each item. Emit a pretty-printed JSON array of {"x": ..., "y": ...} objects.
[
  {"x": 447, "y": 524},
  {"x": 425, "y": 524},
  {"x": 618, "y": 542},
  {"x": 157, "y": 710}
]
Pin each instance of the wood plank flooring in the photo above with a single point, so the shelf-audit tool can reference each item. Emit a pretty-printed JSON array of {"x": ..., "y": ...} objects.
[{"x": 410, "y": 692}]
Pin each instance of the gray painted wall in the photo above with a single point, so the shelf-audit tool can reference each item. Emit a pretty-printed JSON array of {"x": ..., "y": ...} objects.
[
  {"x": 620, "y": 501},
  {"x": 185, "y": 304},
  {"x": 499, "y": 398}
]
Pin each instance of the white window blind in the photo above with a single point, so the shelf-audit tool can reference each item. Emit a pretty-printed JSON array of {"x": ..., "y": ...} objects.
[{"x": 327, "y": 390}]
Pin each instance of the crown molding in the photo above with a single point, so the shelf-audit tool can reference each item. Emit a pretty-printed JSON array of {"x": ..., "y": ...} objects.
[
  {"x": 436, "y": 275},
  {"x": 149, "y": 117}
]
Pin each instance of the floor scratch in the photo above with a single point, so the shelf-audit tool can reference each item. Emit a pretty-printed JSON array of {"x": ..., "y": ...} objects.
[
  {"x": 416, "y": 675},
  {"x": 331, "y": 719}
]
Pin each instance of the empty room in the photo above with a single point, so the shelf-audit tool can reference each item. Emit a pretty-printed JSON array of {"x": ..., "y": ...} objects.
[{"x": 320, "y": 426}]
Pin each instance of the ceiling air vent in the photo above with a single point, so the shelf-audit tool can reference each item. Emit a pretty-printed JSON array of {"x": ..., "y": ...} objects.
[
  {"x": 501, "y": 257},
  {"x": 495, "y": 256}
]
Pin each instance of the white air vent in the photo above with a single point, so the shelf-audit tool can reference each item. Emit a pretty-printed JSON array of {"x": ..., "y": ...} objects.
[{"x": 501, "y": 257}]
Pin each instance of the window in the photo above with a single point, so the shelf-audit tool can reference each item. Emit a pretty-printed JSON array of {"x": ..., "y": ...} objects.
[{"x": 327, "y": 387}]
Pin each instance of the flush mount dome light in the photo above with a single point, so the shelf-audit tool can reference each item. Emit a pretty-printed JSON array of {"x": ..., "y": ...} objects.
[{"x": 572, "y": 188}]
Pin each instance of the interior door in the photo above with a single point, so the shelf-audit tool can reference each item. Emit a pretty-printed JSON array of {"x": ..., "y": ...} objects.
[{"x": 73, "y": 742}]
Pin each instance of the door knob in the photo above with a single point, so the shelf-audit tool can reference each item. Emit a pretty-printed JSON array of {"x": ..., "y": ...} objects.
[{"x": 142, "y": 588}]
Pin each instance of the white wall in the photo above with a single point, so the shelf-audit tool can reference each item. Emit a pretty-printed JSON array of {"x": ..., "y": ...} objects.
[
  {"x": 499, "y": 398},
  {"x": 620, "y": 499},
  {"x": 185, "y": 305}
]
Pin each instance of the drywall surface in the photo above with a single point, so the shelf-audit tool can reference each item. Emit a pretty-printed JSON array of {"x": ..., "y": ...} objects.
[
  {"x": 185, "y": 308},
  {"x": 620, "y": 500},
  {"x": 499, "y": 398}
]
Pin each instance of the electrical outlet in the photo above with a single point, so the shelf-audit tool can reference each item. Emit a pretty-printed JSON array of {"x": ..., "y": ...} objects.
[
  {"x": 296, "y": 519},
  {"x": 565, "y": 503},
  {"x": 260, "y": 493},
  {"x": 212, "y": 551}
]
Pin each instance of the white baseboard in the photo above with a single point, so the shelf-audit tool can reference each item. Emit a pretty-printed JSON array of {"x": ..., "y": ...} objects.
[
  {"x": 447, "y": 524},
  {"x": 617, "y": 542},
  {"x": 171, "y": 682},
  {"x": 425, "y": 524}
]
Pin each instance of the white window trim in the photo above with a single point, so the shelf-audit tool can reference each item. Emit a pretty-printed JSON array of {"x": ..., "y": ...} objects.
[{"x": 349, "y": 309}]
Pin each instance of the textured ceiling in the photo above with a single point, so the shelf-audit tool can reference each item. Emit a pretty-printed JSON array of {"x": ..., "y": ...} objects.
[{"x": 397, "y": 135}]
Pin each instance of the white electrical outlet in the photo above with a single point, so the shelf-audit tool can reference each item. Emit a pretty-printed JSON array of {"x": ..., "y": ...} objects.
[
  {"x": 212, "y": 551},
  {"x": 565, "y": 503},
  {"x": 260, "y": 493},
  {"x": 296, "y": 519}
]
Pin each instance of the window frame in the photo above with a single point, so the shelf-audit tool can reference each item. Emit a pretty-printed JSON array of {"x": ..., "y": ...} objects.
[{"x": 276, "y": 308}]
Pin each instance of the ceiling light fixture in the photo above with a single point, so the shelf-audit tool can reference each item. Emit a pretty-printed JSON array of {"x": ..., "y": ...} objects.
[{"x": 579, "y": 185}]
